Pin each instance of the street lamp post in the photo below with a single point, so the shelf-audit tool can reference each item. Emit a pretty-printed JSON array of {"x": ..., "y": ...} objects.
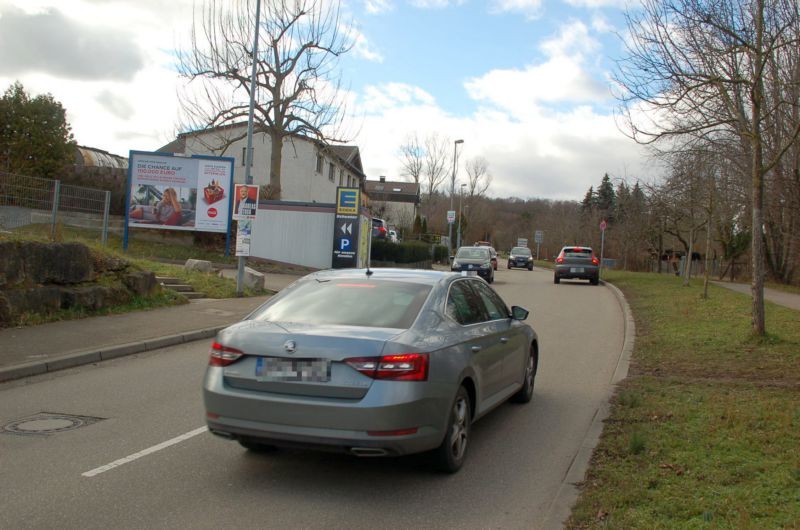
[
  {"x": 452, "y": 192},
  {"x": 460, "y": 200}
]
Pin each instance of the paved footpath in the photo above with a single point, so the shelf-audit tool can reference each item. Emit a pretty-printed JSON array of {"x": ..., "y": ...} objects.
[
  {"x": 32, "y": 350},
  {"x": 790, "y": 300}
]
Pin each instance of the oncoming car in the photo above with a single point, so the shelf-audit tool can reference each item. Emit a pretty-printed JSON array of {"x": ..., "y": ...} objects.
[
  {"x": 372, "y": 363},
  {"x": 520, "y": 257},
  {"x": 474, "y": 259},
  {"x": 578, "y": 263}
]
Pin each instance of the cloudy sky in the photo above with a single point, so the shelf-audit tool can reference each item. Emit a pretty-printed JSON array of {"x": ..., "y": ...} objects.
[{"x": 525, "y": 83}]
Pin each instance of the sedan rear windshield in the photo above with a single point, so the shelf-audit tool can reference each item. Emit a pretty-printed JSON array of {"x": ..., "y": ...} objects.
[
  {"x": 349, "y": 302},
  {"x": 578, "y": 252}
]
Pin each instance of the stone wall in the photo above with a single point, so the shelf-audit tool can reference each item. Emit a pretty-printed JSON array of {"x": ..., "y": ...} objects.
[{"x": 42, "y": 278}]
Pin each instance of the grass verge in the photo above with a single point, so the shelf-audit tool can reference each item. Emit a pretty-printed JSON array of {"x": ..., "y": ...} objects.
[{"x": 704, "y": 431}]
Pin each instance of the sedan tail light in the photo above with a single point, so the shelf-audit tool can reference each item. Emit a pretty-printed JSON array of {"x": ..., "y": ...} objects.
[
  {"x": 400, "y": 367},
  {"x": 223, "y": 355},
  {"x": 595, "y": 261},
  {"x": 560, "y": 259}
]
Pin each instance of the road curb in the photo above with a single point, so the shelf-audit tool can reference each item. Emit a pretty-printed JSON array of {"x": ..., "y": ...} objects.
[
  {"x": 568, "y": 492},
  {"x": 73, "y": 359}
]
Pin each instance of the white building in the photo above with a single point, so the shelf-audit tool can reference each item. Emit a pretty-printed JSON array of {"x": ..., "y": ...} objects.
[{"x": 310, "y": 170}]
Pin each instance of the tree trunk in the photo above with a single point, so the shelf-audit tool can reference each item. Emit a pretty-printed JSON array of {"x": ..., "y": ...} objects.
[
  {"x": 757, "y": 95},
  {"x": 275, "y": 159}
]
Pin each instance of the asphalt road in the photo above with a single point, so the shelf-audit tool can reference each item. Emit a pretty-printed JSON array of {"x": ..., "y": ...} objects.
[{"x": 142, "y": 458}]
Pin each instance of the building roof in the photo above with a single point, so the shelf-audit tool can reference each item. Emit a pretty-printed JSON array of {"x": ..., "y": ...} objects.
[
  {"x": 92, "y": 157},
  {"x": 392, "y": 191}
]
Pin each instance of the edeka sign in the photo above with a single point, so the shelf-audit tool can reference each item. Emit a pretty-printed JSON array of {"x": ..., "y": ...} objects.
[{"x": 346, "y": 228}]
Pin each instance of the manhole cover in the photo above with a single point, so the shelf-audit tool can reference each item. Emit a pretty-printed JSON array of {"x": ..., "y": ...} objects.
[{"x": 45, "y": 423}]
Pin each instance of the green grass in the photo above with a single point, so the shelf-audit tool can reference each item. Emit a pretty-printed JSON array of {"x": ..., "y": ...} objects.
[{"x": 705, "y": 431}]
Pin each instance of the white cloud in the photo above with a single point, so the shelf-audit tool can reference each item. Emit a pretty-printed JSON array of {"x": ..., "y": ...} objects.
[
  {"x": 596, "y": 4},
  {"x": 362, "y": 47},
  {"x": 376, "y": 7},
  {"x": 573, "y": 40},
  {"x": 536, "y": 153},
  {"x": 532, "y": 9},
  {"x": 436, "y": 4}
]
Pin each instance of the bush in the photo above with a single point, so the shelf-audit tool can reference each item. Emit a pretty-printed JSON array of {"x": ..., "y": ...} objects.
[{"x": 403, "y": 252}]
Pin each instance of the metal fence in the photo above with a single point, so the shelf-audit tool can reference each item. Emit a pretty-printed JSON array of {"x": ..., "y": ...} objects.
[{"x": 31, "y": 200}]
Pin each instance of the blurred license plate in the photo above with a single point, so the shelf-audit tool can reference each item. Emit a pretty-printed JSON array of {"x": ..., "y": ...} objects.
[
  {"x": 576, "y": 269},
  {"x": 274, "y": 369}
]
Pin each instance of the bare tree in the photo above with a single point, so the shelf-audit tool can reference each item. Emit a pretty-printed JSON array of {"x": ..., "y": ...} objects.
[
  {"x": 296, "y": 89},
  {"x": 478, "y": 177},
  {"x": 436, "y": 162},
  {"x": 697, "y": 69},
  {"x": 412, "y": 158}
]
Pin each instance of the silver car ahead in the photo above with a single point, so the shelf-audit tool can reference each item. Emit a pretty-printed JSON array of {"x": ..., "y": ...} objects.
[{"x": 372, "y": 363}]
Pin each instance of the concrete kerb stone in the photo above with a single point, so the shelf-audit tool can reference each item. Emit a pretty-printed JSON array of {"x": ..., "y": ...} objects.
[
  {"x": 74, "y": 359},
  {"x": 568, "y": 493},
  {"x": 198, "y": 265}
]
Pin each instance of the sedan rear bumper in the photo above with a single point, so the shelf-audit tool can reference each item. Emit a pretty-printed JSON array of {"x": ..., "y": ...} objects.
[
  {"x": 357, "y": 426},
  {"x": 580, "y": 272}
]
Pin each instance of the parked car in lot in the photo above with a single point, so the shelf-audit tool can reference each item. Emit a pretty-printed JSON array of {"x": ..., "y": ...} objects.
[
  {"x": 577, "y": 263},
  {"x": 474, "y": 259},
  {"x": 520, "y": 257},
  {"x": 383, "y": 362},
  {"x": 379, "y": 228},
  {"x": 393, "y": 236}
]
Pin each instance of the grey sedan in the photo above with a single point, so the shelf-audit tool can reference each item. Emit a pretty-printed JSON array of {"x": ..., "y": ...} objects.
[{"x": 380, "y": 362}]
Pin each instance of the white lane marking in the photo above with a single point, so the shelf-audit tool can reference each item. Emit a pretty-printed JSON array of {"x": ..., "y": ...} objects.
[{"x": 145, "y": 452}]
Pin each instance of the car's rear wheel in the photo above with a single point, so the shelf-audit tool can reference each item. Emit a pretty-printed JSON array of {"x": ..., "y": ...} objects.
[
  {"x": 451, "y": 454},
  {"x": 594, "y": 281},
  {"x": 525, "y": 393},
  {"x": 509, "y": 265},
  {"x": 556, "y": 279}
]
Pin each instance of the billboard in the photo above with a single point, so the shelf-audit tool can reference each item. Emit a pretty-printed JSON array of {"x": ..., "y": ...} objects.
[{"x": 176, "y": 193}]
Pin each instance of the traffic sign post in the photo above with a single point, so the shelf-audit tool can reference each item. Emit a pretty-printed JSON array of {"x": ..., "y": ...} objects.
[
  {"x": 603, "y": 226},
  {"x": 538, "y": 236}
]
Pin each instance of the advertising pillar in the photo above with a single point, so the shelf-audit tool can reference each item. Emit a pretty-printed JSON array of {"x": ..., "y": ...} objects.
[{"x": 347, "y": 229}]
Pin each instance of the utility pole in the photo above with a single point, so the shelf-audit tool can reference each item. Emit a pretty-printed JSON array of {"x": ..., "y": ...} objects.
[{"x": 452, "y": 192}]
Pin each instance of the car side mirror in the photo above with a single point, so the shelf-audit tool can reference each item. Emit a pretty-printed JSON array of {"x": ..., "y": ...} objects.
[{"x": 519, "y": 313}]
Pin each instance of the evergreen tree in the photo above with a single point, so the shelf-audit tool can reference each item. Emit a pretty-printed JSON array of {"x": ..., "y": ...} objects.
[
  {"x": 589, "y": 201},
  {"x": 606, "y": 198},
  {"x": 35, "y": 138}
]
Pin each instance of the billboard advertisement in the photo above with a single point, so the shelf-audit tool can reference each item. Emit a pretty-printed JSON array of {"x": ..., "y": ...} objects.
[{"x": 176, "y": 193}]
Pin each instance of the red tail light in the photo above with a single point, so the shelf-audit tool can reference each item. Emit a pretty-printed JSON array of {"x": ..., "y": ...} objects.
[
  {"x": 560, "y": 259},
  {"x": 595, "y": 261},
  {"x": 382, "y": 230},
  {"x": 401, "y": 367},
  {"x": 223, "y": 355}
]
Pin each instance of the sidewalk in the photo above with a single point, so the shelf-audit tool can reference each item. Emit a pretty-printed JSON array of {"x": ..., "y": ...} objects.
[
  {"x": 790, "y": 300},
  {"x": 33, "y": 350}
]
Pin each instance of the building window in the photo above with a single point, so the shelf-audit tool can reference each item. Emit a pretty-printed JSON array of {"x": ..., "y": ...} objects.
[
  {"x": 244, "y": 154},
  {"x": 331, "y": 172},
  {"x": 341, "y": 177},
  {"x": 319, "y": 163}
]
